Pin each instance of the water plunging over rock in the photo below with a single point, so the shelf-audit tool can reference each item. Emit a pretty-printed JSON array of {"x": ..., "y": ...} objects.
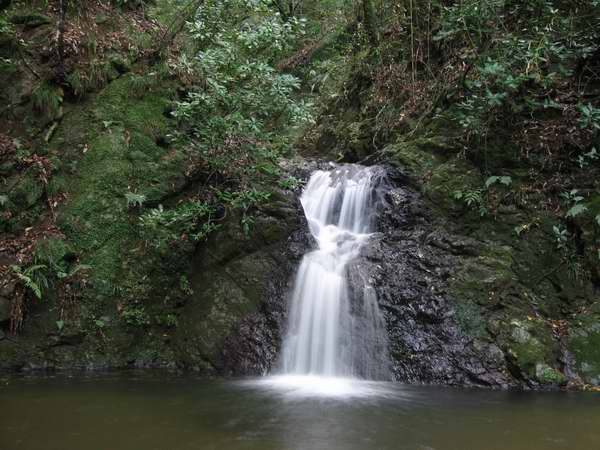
[{"x": 335, "y": 327}]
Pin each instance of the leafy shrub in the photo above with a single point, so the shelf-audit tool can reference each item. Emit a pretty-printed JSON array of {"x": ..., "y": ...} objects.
[
  {"x": 244, "y": 201},
  {"x": 135, "y": 316},
  {"x": 241, "y": 96},
  {"x": 290, "y": 183},
  {"x": 163, "y": 227}
]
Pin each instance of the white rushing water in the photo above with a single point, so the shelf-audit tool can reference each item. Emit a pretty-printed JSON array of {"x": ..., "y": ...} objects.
[{"x": 328, "y": 334}]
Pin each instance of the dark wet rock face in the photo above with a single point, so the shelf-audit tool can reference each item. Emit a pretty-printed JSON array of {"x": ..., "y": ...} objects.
[
  {"x": 409, "y": 263},
  {"x": 233, "y": 324}
]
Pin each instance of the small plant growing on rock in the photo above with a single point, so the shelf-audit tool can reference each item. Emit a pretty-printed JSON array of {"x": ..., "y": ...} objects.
[
  {"x": 574, "y": 199},
  {"x": 135, "y": 316},
  {"x": 290, "y": 183},
  {"x": 47, "y": 100},
  {"x": 473, "y": 199},
  {"x": 134, "y": 199},
  {"x": 32, "y": 278}
]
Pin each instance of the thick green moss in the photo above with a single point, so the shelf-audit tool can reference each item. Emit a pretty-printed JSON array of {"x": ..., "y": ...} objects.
[
  {"x": 532, "y": 348},
  {"x": 584, "y": 342},
  {"x": 470, "y": 319},
  {"x": 418, "y": 162},
  {"x": 28, "y": 190},
  {"x": 117, "y": 154}
]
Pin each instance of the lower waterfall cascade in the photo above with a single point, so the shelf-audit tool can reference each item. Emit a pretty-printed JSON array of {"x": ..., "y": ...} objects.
[{"x": 335, "y": 327}]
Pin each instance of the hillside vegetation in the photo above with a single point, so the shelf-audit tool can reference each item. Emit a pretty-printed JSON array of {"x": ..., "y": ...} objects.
[{"x": 151, "y": 153}]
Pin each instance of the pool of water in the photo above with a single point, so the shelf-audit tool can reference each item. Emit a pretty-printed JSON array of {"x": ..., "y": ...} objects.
[{"x": 163, "y": 412}]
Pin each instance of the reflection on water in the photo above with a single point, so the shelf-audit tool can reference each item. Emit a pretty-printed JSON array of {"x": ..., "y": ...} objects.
[{"x": 131, "y": 412}]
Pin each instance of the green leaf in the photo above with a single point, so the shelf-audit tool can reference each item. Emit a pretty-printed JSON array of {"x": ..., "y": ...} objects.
[
  {"x": 135, "y": 199},
  {"x": 576, "y": 210},
  {"x": 505, "y": 180},
  {"x": 519, "y": 229},
  {"x": 598, "y": 219},
  {"x": 490, "y": 181},
  {"x": 60, "y": 324}
]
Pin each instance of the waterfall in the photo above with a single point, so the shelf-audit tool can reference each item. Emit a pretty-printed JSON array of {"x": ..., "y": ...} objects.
[{"x": 335, "y": 328}]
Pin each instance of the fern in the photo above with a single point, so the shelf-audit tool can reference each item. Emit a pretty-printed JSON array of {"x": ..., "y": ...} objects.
[
  {"x": 473, "y": 199},
  {"x": 140, "y": 84},
  {"x": 135, "y": 199},
  {"x": 27, "y": 278}
]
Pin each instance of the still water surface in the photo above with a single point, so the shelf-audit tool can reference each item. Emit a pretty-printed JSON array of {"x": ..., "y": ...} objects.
[{"x": 150, "y": 412}]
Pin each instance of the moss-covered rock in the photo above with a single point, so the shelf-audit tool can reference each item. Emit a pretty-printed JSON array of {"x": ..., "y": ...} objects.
[
  {"x": 238, "y": 280},
  {"x": 584, "y": 342},
  {"x": 31, "y": 20},
  {"x": 533, "y": 351}
]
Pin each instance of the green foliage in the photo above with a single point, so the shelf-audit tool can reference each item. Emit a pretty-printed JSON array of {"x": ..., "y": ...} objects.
[
  {"x": 585, "y": 159},
  {"x": 135, "y": 315},
  {"x": 163, "y": 227},
  {"x": 574, "y": 199},
  {"x": 242, "y": 97},
  {"x": 506, "y": 181},
  {"x": 516, "y": 52},
  {"x": 55, "y": 256},
  {"x": 572, "y": 196},
  {"x": 576, "y": 210},
  {"x": 134, "y": 199},
  {"x": 244, "y": 201},
  {"x": 590, "y": 116},
  {"x": 185, "y": 286},
  {"x": 473, "y": 199},
  {"x": 32, "y": 278},
  {"x": 78, "y": 82},
  {"x": 5, "y": 26},
  {"x": 551, "y": 376},
  {"x": 561, "y": 236},
  {"x": 290, "y": 183},
  {"x": 167, "y": 320},
  {"x": 101, "y": 322},
  {"x": 92, "y": 76},
  {"x": 47, "y": 100},
  {"x": 141, "y": 84}
]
